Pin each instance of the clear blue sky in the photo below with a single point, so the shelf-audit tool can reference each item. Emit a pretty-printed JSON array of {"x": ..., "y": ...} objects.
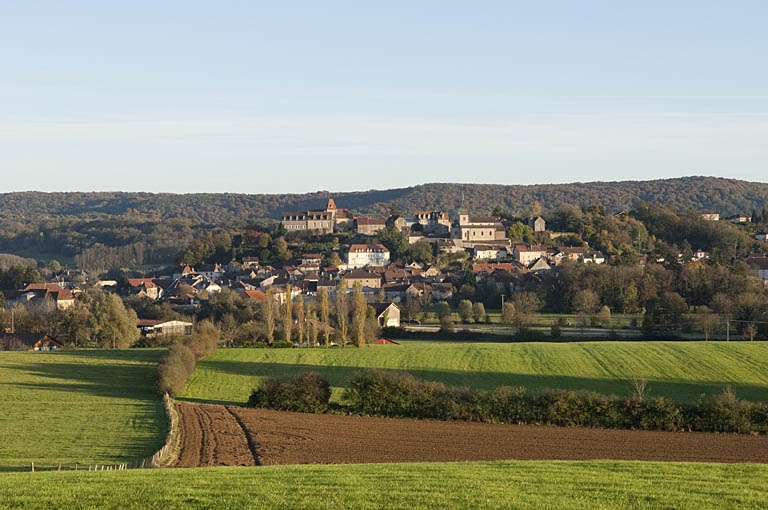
[{"x": 270, "y": 97}]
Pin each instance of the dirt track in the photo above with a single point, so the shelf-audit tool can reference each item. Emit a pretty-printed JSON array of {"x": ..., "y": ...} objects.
[{"x": 212, "y": 435}]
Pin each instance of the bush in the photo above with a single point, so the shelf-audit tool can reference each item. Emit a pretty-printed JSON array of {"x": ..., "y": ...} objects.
[
  {"x": 305, "y": 393},
  {"x": 392, "y": 394},
  {"x": 723, "y": 413},
  {"x": 655, "y": 413},
  {"x": 282, "y": 345},
  {"x": 174, "y": 369}
]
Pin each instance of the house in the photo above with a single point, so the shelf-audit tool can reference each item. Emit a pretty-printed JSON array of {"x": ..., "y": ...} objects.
[
  {"x": 433, "y": 222},
  {"x": 448, "y": 246},
  {"x": 323, "y": 221},
  {"x": 145, "y": 287},
  {"x": 255, "y": 295},
  {"x": 38, "y": 294},
  {"x": 485, "y": 252},
  {"x": 477, "y": 229},
  {"x": 369, "y": 226},
  {"x": 395, "y": 291},
  {"x": 571, "y": 253},
  {"x": 387, "y": 315},
  {"x": 710, "y": 216},
  {"x": 593, "y": 257},
  {"x": 398, "y": 222},
  {"x": 537, "y": 224},
  {"x": 758, "y": 267},
  {"x": 739, "y": 218},
  {"x": 312, "y": 260},
  {"x": 250, "y": 262},
  {"x": 540, "y": 266},
  {"x": 527, "y": 254},
  {"x": 213, "y": 272},
  {"x": 29, "y": 342},
  {"x": 361, "y": 255},
  {"x": 156, "y": 328},
  {"x": 762, "y": 236},
  {"x": 366, "y": 279}
]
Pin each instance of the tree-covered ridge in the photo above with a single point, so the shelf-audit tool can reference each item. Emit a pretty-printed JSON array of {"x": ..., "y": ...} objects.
[{"x": 726, "y": 196}]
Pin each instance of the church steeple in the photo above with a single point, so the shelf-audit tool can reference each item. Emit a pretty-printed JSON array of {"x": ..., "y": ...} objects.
[{"x": 463, "y": 212}]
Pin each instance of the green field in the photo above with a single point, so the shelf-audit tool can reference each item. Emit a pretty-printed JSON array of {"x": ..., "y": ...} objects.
[
  {"x": 555, "y": 485},
  {"x": 84, "y": 407},
  {"x": 679, "y": 370}
]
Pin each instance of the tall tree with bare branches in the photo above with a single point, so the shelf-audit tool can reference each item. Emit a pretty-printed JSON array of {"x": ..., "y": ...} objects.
[
  {"x": 342, "y": 314},
  {"x": 325, "y": 317}
]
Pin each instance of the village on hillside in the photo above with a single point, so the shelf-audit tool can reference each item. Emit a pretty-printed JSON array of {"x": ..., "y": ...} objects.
[{"x": 404, "y": 266}]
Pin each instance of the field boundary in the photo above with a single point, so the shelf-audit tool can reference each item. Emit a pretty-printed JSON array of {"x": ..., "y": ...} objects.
[{"x": 167, "y": 454}]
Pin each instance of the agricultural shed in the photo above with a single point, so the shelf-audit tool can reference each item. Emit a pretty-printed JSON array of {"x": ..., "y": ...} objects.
[
  {"x": 155, "y": 328},
  {"x": 29, "y": 342}
]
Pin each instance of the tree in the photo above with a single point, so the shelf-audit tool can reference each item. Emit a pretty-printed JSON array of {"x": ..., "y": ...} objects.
[
  {"x": 519, "y": 232},
  {"x": 413, "y": 308},
  {"x": 478, "y": 312},
  {"x": 268, "y": 313},
  {"x": 421, "y": 252},
  {"x": 113, "y": 325},
  {"x": 708, "y": 321},
  {"x": 280, "y": 247},
  {"x": 359, "y": 312},
  {"x": 585, "y": 301},
  {"x": 287, "y": 314},
  {"x": 750, "y": 331},
  {"x": 526, "y": 304},
  {"x": 333, "y": 260},
  {"x": 312, "y": 323},
  {"x": 508, "y": 313},
  {"x": 604, "y": 316},
  {"x": 301, "y": 320},
  {"x": 342, "y": 313},
  {"x": 395, "y": 241},
  {"x": 444, "y": 316},
  {"x": 465, "y": 310},
  {"x": 325, "y": 316}
]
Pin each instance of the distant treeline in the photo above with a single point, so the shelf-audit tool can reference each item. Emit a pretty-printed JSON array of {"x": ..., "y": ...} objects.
[{"x": 115, "y": 229}]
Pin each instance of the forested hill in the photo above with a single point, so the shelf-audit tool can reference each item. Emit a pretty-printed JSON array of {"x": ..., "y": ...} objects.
[{"x": 726, "y": 196}]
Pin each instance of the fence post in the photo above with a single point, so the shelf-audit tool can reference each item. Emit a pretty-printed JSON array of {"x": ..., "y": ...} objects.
[{"x": 33, "y": 467}]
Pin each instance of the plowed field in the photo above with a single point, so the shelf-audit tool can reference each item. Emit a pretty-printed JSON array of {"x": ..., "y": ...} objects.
[{"x": 218, "y": 435}]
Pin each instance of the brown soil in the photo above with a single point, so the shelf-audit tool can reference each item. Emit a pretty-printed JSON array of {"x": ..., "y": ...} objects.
[
  {"x": 295, "y": 438},
  {"x": 211, "y": 436}
]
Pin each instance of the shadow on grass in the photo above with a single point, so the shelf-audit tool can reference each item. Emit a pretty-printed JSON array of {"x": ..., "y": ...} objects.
[{"x": 677, "y": 390}]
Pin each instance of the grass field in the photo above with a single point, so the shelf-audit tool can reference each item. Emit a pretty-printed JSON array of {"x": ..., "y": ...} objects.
[
  {"x": 566, "y": 485},
  {"x": 678, "y": 370},
  {"x": 83, "y": 407}
]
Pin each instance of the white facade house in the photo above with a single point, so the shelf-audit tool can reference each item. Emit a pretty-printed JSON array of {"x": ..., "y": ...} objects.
[
  {"x": 526, "y": 255},
  {"x": 361, "y": 255}
]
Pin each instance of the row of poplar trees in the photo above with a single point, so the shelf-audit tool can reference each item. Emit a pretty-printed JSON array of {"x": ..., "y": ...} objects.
[{"x": 346, "y": 320}]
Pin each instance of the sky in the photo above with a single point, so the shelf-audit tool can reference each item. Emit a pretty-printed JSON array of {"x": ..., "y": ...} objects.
[{"x": 283, "y": 97}]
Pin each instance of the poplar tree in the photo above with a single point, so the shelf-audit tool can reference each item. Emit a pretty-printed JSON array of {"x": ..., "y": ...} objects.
[
  {"x": 287, "y": 314},
  {"x": 325, "y": 316},
  {"x": 342, "y": 314},
  {"x": 359, "y": 310},
  {"x": 268, "y": 315},
  {"x": 301, "y": 324}
]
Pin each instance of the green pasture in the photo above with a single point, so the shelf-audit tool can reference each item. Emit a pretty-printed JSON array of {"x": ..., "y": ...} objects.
[
  {"x": 678, "y": 370},
  {"x": 83, "y": 407},
  {"x": 529, "y": 484}
]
